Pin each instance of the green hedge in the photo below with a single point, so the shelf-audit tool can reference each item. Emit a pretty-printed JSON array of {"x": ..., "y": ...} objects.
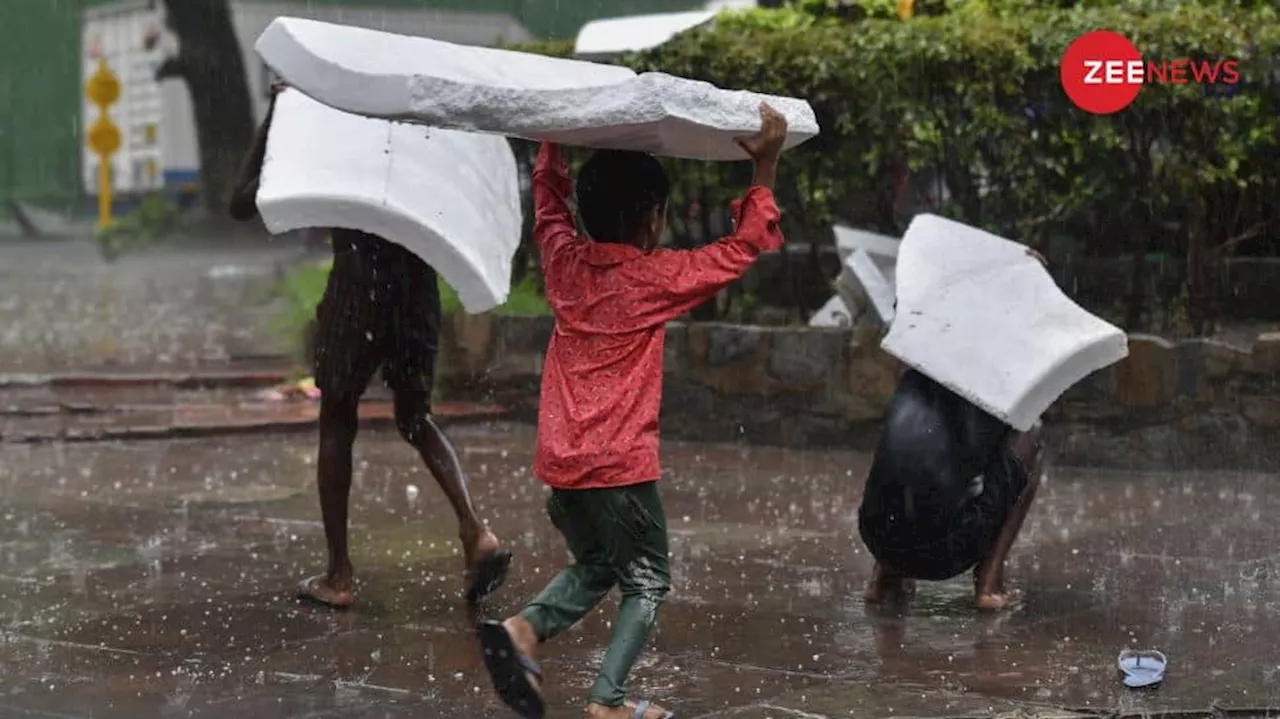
[
  {"x": 974, "y": 94},
  {"x": 979, "y": 95}
]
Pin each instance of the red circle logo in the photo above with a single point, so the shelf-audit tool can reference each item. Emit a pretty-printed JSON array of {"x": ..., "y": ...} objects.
[{"x": 1102, "y": 72}]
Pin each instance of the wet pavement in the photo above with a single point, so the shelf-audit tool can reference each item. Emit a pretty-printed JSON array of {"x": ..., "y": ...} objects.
[
  {"x": 153, "y": 579},
  {"x": 63, "y": 306},
  {"x": 144, "y": 407}
]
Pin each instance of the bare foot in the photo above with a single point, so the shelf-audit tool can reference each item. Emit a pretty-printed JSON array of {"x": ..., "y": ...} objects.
[
  {"x": 890, "y": 591},
  {"x": 998, "y": 600},
  {"x": 486, "y": 564},
  {"x": 477, "y": 546},
  {"x": 626, "y": 711},
  {"x": 887, "y": 586},
  {"x": 522, "y": 635},
  {"x": 335, "y": 593}
]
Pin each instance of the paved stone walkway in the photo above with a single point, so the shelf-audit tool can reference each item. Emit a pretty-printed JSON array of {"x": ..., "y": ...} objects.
[{"x": 153, "y": 579}]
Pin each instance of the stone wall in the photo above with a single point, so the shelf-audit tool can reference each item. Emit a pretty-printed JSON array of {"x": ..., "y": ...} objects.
[
  {"x": 1198, "y": 403},
  {"x": 1249, "y": 287}
]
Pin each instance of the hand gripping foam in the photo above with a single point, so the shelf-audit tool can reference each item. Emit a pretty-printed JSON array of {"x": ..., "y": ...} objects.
[
  {"x": 980, "y": 316},
  {"x": 431, "y": 82},
  {"x": 451, "y": 198}
]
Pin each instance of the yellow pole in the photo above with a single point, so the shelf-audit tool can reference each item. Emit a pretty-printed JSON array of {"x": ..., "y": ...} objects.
[
  {"x": 104, "y": 191},
  {"x": 103, "y": 90}
]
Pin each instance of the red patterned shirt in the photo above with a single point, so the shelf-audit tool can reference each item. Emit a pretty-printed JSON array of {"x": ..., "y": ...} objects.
[{"x": 602, "y": 378}]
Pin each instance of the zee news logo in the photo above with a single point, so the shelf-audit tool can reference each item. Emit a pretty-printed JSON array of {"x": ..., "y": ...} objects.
[
  {"x": 1102, "y": 72},
  {"x": 1179, "y": 72}
]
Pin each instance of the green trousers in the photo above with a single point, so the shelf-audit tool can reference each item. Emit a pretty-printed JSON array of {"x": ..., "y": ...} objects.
[{"x": 618, "y": 536}]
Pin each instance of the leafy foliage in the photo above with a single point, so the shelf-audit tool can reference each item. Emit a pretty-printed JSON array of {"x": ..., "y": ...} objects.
[
  {"x": 155, "y": 219},
  {"x": 966, "y": 95},
  {"x": 973, "y": 95}
]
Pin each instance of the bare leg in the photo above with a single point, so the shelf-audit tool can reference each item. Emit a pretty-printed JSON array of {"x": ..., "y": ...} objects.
[
  {"x": 989, "y": 589},
  {"x": 888, "y": 586},
  {"x": 338, "y": 424},
  {"x": 413, "y": 419}
]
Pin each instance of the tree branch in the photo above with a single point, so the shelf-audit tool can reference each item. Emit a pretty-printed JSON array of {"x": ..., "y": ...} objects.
[
  {"x": 173, "y": 66},
  {"x": 1249, "y": 234}
]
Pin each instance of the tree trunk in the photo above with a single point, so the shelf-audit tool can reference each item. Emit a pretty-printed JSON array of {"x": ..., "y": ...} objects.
[{"x": 210, "y": 62}]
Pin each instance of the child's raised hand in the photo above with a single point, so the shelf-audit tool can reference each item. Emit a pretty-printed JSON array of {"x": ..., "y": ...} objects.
[{"x": 766, "y": 145}]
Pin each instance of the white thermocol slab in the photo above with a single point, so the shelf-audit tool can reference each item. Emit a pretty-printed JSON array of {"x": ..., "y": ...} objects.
[
  {"x": 868, "y": 270},
  {"x": 878, "y": 289},
  {"x": 431, "y": 82},
  {"x": 877, "y": 245},
  {"x": 609, "y": 37},
  {"x": 980, "y": 316},
  {"x": 835, "y": 313},
  {"x": 452, "y": 198}
]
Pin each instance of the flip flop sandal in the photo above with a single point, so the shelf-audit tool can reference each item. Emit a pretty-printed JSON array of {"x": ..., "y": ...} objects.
[
  {"x": 643, "y": 707},
  {"x": 1142, "y": 668},
  {"x": 510, "y": 671},
  {"x": 488, "y": 575},
  {"x": 307, "y": 594}
]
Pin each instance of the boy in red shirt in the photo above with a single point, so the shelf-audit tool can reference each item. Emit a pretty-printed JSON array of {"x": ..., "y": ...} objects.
[{"x": 612, "y": 294}]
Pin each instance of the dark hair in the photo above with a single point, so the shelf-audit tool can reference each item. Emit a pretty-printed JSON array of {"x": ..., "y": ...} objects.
[{"x": 617, "y": 189}]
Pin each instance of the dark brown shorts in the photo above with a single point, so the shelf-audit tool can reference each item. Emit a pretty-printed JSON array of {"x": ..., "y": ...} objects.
[{"x": 381, "y": 308}]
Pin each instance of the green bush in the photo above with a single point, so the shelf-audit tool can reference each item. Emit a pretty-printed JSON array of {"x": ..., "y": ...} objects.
[
  {"x": 301, "y": 289},
  {"x": 969, "y": 90},
  {"x": 975, "y": 95},
  {"x": 155, "y": 218}
]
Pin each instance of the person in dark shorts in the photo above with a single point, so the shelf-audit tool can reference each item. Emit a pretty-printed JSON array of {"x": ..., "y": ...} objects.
[
  {"x": 381, "y": 308},
  {"x": 948, "y": 491}
]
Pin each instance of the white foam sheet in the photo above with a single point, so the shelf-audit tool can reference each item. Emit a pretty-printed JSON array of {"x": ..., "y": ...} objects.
[
  {"x": 879, "y": 246},
  {"x": 851, "y": 293},
  {"x": 878, "y": 289},
  {"x": 452, "y": 198},
  {"x": 882, "y": 250},
  {"x": 832, "y": 314},
  {"x": 980, "y": 316},
  {"x": 573, "y": 102},
  {"x": 613, "y": 36}
]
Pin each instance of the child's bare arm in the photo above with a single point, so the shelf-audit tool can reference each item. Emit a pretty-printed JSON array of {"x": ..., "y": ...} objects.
[
  {"x": 243, "y": 203},
  {"x": 765, "y": 147}
]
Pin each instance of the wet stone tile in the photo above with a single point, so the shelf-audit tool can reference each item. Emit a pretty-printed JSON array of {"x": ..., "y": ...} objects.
[{"x": 170, "y": 594}]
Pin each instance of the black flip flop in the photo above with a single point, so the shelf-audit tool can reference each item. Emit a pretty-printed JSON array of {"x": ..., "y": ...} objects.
[
  {"x": 306, "y": 594},
  {"x": 488, "y": 575},
  {"x": 510, "y": 671}
]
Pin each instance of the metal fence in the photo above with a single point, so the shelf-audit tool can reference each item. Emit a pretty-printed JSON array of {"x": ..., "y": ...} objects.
[{"x": 39, "y": 103}]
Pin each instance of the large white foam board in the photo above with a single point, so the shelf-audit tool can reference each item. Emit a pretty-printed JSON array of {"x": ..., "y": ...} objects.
[
  {"x": 878, "y": 245},
  {"x": 832, "y": 314},
  {"x": 633, "y": 33},
  {"x": 877, "y": 288},
  {"x": 573, "y": 102},
  {"x": 981, "y": 317},
  {"x": 452, "y": 198}
]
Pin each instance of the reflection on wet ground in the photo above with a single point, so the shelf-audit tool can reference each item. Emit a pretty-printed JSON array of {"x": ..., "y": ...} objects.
[{"x": 153, "y": 579}]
